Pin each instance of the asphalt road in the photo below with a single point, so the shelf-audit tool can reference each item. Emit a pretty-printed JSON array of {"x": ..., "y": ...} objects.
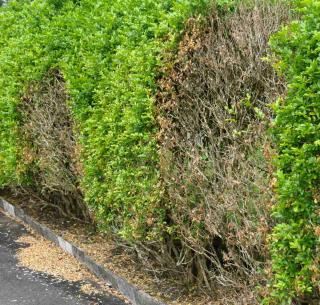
[{"x": 19, "y": 285}]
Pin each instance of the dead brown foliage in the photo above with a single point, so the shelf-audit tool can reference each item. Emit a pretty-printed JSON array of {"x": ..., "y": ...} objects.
[
  {"x": 50, "y": 153},
  {"x": 214, "y": 111}
]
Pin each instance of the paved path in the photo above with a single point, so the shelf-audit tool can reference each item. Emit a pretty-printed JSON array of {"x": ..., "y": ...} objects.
[{"x": 23, "y": 286}]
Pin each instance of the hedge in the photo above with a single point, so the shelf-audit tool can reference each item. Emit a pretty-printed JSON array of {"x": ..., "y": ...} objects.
[
  {"x": 109, "y": 53},
  {"x": 295, "y": 240}
]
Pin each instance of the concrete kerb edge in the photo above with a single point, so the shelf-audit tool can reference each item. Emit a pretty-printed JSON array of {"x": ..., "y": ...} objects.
[{"x": 131, "y": 292}]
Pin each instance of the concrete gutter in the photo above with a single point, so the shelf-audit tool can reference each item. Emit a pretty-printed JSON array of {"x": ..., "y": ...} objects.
[{"x": 131, "y": 292}]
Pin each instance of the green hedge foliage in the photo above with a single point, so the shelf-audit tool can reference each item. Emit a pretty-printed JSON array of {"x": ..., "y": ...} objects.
[
  {"x": 109, "y": 53},
  {"x": 295, "y": 241}
]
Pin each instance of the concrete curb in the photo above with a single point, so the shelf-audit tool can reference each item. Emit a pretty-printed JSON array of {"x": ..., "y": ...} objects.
[{"x": 132, "y": 293}]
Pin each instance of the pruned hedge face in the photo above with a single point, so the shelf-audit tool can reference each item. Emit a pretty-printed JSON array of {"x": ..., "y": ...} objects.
[{"x": 295, "y": 242}]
